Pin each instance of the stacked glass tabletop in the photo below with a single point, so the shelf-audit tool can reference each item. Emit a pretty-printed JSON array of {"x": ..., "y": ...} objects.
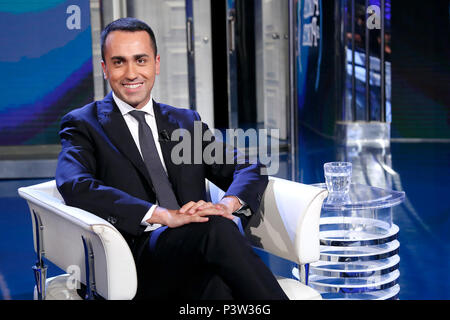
[{"x": 359, "y": 247}]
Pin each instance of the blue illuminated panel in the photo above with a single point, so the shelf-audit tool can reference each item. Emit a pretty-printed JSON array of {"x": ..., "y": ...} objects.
[{"x": 46, "y": 63}]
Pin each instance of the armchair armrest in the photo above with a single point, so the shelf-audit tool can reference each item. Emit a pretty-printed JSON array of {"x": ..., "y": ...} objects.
[
  {"x": 60, "y": 239},
  {"x": 287, "y": 224}
]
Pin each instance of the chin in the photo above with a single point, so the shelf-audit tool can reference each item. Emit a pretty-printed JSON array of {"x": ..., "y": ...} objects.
[{"x": 133, "y": 103}]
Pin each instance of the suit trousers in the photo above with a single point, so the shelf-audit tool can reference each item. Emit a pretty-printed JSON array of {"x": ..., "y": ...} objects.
[{"x": 208, "y": 260}]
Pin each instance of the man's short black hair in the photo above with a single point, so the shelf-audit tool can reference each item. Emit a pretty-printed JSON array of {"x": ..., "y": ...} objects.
[{"x": 130, "y": 25}]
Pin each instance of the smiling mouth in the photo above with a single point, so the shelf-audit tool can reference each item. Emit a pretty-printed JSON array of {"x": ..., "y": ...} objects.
[{"x": 133, "y": 85}]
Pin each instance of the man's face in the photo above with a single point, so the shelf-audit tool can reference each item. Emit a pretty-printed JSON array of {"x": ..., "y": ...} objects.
[{"x": 130, "y": 66}]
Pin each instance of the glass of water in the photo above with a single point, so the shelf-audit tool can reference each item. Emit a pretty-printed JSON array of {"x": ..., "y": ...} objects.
[{"x": 338, "y": 176}]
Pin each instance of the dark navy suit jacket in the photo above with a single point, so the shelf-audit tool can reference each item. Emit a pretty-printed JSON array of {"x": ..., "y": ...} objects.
[{"x": 101, "y": 170}]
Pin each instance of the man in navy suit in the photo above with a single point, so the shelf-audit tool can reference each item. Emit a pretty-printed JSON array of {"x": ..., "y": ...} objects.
[{"x": 192, "y": 249}]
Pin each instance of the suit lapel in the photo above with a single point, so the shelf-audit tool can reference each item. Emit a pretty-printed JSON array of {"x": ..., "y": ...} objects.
[{"x": 117, "y": 130}]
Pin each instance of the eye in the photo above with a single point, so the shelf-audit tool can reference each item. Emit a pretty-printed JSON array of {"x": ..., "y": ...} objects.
[
  {"x": 141, "y": 61},
  {"x": 117, "y": 62}
]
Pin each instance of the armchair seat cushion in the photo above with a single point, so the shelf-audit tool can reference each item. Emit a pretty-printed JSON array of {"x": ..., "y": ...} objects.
[{"x": 295, "y": 290}]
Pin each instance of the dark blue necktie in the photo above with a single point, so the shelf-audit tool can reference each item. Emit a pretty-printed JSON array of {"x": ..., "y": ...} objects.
[{"x": 163, "y": 188}]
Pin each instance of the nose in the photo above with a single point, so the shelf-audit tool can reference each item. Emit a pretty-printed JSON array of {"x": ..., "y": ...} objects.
[{"x": 131, "y": 72}]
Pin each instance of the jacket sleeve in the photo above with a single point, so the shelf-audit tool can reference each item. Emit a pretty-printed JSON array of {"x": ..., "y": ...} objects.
[{"x": 77, "y": 181}]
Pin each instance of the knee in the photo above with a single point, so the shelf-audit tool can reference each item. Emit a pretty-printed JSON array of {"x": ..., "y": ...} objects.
[
  {"x": 222, "y": 230},
  {"x": 220, "y": 224}
]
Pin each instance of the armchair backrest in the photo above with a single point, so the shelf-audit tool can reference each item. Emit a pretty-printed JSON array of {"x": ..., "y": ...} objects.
[
  {"x": 287, "y": 223},
  {"x": 61, "y": 239}
]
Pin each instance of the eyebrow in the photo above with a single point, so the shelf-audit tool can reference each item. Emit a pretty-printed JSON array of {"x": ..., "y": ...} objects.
[{"x": 136, "y": 57}]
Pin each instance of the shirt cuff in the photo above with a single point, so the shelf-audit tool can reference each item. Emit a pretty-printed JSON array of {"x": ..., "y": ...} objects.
[
  {"x": 148, "y": 215},
  {"x": 244, "y": 209},
  {"x": 243, "y": 204}
]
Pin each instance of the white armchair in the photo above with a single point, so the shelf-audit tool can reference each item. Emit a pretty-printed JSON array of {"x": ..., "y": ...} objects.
[
  {"x": 81, "y": 243},
  {"x": 93, "y": 252}
]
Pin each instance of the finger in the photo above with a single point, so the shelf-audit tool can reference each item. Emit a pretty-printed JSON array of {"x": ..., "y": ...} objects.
[
  {"x": 205, "y": 206},
  {"x": 222, "y": 214},
  {"x": 186, "y": 207},
  {"x": 223, "y": 207},
  {"x": 210, "y": 210},
  {"x": 214, "y": 211},
  {"x": 196, "y": 206},
  {"x": 201, "y": 219},
  {"x": 196, "y": 219}
]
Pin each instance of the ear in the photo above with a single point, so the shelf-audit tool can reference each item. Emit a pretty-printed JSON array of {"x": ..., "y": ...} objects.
[
  {"x": 157, "y": 63},
  {"x": 105, "y": 74}
]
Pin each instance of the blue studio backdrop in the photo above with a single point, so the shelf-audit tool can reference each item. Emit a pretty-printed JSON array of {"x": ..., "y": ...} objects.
[{"x": 46, "y": 63}]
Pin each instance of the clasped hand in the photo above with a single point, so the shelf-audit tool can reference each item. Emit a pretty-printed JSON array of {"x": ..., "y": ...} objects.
[{"x": 195, "y": 212}]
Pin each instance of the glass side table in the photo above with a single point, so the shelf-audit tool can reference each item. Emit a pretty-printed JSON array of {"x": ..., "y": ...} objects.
[{"x": 358, "y": 245}]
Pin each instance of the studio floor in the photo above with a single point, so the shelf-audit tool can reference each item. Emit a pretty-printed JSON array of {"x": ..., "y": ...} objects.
[{"x": 419, "y": 169}]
